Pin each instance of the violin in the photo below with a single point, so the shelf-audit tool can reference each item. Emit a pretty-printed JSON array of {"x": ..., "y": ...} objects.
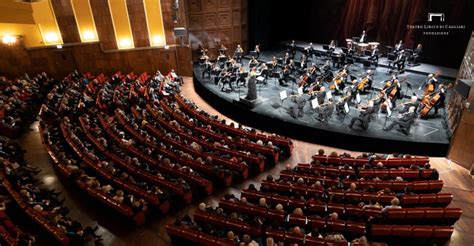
[{"x": 363, "y": 83}]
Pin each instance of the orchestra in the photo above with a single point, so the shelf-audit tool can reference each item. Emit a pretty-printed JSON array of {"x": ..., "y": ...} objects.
[{"x": 335, "y": 90}]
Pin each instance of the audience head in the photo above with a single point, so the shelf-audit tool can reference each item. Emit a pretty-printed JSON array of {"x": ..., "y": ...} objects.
[
  {"x": 297, "y": 230},
  {"x": 298, "y": 211},
  {"x": 352, "y": 187},
  {"x": 262, "y": 202},
  {"x": 379, "y": 164},
  {"x": 202, "y": 206},
  {"x": 230, "y": 235},
  {"x": 270, "y": 242},
  {"x": 395, "y": 202},
  {"x": 279, "y": 207}
]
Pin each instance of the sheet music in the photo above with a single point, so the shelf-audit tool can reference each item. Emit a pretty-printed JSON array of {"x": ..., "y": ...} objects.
[
  {"x": 314, "y": 103},
  {"x": 328, "y": 95},
  {"x": 346, "y": 108},
  {"x": 358, "y": 98},
  {"x": 300, "y": 90},
  {"x": 283, "y": 95}
]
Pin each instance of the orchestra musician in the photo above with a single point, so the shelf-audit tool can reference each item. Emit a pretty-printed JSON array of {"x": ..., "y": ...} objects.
[
  {"x": 374, "y": 55},
  {"x": 350, "y": 48},
  {"x": 292, "y": 49},
  {"x": 262, "y": 70},
  {"x": 207, "y": 69},
  {"x": 364, "y": 117},
  {"x": 400, "y": 61},
  {"x": 274, "y": 64},
  {"x": 364, "y": 84},
  {"x": 441, "y": 98},
  {"x": 430, "y": 84},
  {"x": 331, "y": 48},
  {"x": 393, "y": 90},
  {"x": 225, "y": 79},
  {"x": 320, "y": 95},
  {"x": 338, "y": 80},
  {"x": 312, "y": 71},
  {"x": 253, "y": 62},
  {"x": 340, "y": 106},
  {"x": 223, "y": 50},
  {"x": 286, "y": 59},
  {"x": 257, "y": 50},
  {"x": 292, "y": 66},
  {"x": 296, "y": 109},
  {"x": 399, "y": 46},
  {"x": 242, "y": 77},
  {"x": 216, "y": 70},
  {"x": 404, "y": 121},
  {"x": 309, "y": 50},
  {"x": 303, "y": 61},
  {"x": 285, "y": 76},
  {"x": 363, "y": 37},
  {"x": 325, "y": 111},
  {"x": 416, "y": 57},
  {"x": 412, "y": 103},
  {"x": 238, "y": 53}
]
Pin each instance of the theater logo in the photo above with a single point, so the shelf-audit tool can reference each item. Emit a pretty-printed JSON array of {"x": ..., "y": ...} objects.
[{"x": 435, "y": 25}]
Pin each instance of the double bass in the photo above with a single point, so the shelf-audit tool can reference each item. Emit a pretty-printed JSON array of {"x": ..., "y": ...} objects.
[{"x": 430, "y": 101}]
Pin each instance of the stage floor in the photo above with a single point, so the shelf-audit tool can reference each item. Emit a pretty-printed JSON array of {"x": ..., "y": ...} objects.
[{"x": 426, "y": 136}]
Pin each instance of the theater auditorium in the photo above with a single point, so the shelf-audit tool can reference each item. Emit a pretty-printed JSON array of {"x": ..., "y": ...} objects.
[{"x": 236, "y": 122}]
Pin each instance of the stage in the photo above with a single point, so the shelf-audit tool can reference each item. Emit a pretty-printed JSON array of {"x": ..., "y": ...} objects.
[{"x": 426, "y": 136}]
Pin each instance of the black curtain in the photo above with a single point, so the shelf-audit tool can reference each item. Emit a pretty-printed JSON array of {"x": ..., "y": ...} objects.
[{"x": 385, "y": 21}]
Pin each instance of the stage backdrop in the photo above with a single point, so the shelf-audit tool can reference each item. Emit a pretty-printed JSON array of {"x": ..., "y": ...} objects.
[{"x": 386, "y": 21}]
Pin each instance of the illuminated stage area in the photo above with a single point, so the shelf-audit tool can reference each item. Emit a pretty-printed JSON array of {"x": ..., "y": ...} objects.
[{"x": 426, "y": 137}]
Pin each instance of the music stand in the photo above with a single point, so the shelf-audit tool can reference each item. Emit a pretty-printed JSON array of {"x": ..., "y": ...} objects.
[
  {"x": 345, "y": 50},
  {"x": 276, "y": 76},
  {"x": 253, "y": 53},
  {"x": 325, "y": 47}
]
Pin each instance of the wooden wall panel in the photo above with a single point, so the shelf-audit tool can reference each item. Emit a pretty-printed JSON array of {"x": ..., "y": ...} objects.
[
  {"x": 89, "y": 57},
  {"x": 194, "y": 6},
  {"x": 103, "y": 23},
  {"x": 225, "y": 19},
  {"x": 66, "y": 21},
  {"x": 221, "y": 21},
  {"x": 138, "y": 23}
]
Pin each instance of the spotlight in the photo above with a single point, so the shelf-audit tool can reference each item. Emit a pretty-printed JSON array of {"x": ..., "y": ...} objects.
[{"x": 8, "y": 39}]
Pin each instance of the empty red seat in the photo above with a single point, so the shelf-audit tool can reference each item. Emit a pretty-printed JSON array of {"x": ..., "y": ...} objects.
[
  {"x": 396, "y": 214},
  {"x": 416, "y": 214},
  {"x": 427, "y": 200},
  {"x": 434, "y": 213},
  {"x": 422, "y": 231},
  {"x": 336, "y": 225},
  {"x": 435, "y": 185},
  {"x": 316, "y": 222},
  {"x": 443, "y": 231},
  {"x": 409, "y": 200},
  {"x": 401, "y": 231},
  {"x": 355, "y": 227},
  {"x": 452, "y": 213},
  {"x": 443, "y": 199},
  {"x": 380, "y": 230}
]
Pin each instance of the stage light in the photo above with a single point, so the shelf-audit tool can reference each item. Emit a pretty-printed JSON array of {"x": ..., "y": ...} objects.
[
  {"x": 167, "y": 47},
  {"x": 125, "y": 43},
  {"x": 157, "y": 40},
  {"x": 8, "y": 39},
  {"x": 88, "y": 35},
  {"x": 59, "y": 46},
  {"x": 51, "y": 37}
]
